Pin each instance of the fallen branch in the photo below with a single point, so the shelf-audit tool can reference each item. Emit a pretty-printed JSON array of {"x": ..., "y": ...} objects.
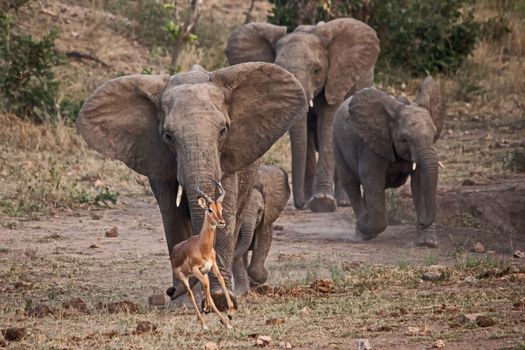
[{"x": 85, "y": 56}]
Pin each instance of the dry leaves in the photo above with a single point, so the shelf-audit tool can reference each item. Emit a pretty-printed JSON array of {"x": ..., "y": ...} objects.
[
  {"x": 323, "y": 286},
  {"x": 113, "y": 232},
  {"x": 275, "y": 321}
]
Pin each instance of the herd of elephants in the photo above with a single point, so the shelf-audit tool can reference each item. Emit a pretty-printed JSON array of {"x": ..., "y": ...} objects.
[{"x": 349, "y": 140}]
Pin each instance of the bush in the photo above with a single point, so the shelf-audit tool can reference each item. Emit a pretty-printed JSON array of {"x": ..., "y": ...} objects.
[
  {"x": 419, "y": 35},
  {"x": 29, "y": 88}
]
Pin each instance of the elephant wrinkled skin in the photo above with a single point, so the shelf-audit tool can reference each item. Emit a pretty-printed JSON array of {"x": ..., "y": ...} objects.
[
  {"x": 194, "y": 127},
  {"x": 331, "y": 60},
  {"x": 379, "y": 141},
  {"x": 267, "y": 200}
]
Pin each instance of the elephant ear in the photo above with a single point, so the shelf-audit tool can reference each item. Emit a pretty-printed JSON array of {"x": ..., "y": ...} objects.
[
  {"x": 353, "y": 48},
  {"x": 430, "y": 98},
  {"x": 120, "y": 120},
  {"x": 263, "y": 101},
  {"x": 370, "y": 114},
  {"x": 254, "y": 42},
  {"x": 276, "y": 191}
]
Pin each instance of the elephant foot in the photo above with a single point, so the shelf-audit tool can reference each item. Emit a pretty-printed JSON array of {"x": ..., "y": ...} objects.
[
  {"x": 322, "y": 203},
  {"x": 427, "y": 238},
  {"x": 365, "y": 236},
  {"x": 221, "y": 302}
]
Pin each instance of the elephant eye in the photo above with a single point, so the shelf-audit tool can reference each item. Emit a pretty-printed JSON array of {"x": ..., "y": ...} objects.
[
  {"x": 317, "y": 70},
  {"x": 404, "y": 140},
  {"x": 223, "y": 131}
]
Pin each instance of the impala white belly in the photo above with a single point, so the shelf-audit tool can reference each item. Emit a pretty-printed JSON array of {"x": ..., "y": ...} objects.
[{"x": 206, "y": 267}]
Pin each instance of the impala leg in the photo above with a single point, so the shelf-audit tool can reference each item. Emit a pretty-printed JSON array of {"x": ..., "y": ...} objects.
[
  {"x": 206, "y": 284},
  {"x": 217, "y": 273},
  {"x": 184, "y": 280}
]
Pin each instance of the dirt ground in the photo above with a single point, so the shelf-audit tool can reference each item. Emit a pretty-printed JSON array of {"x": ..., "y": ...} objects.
[{"x": 376, "y": 290}]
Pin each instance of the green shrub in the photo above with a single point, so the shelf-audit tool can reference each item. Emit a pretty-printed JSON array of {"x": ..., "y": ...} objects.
[
  {"x": 419, "y": 35},
  {"x": 29, "y": 88}
]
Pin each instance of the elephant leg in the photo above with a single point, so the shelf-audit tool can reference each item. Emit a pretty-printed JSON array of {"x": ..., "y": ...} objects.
[
  {"x": 310, "y": 166},
  {"x": 225, "y": 243},
  {"x": 372, "y": 222},
  {"x": 263, "y": 240},
  {"x": 323, "y": 199},
  {"x": 425, "y": 237},
  {"x": 176, "y": 222},
  {"x": 240, "y": 276},
  {"x": 340, "y": 194}
]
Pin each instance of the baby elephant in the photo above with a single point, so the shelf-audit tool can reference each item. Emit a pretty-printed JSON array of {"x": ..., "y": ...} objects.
[
  {"x": 268, "y": 198},
  {"x": 378, "y": 142}
]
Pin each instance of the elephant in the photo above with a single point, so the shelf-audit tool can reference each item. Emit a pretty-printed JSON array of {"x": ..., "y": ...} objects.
[
  {"x": 195, "y": 127},
  {"x": 267, "y": 200},
  {"x": 379, "y": 141},
  {"x": 332, "y": 60}
]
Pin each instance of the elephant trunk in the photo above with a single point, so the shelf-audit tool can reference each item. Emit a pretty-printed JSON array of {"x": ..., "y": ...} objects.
[
  {"x": 246, "y": 234},
  {"x": 298, "y": 135},
  {"x": 427, "y": 160}
]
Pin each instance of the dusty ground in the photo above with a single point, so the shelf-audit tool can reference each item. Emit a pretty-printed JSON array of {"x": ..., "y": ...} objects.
[{"x": 378, "y": 291}]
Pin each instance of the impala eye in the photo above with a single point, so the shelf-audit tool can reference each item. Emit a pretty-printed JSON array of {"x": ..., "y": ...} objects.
[{"x": 210, "y": 210}]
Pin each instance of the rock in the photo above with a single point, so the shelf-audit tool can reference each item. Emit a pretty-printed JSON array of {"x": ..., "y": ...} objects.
[
  {"x": 431, "y": 276},
  {"x": 40, "y": 311},
  {"x": 274, "y": 321},
  {"x": 485, "y": 321},
  {"x": 211, "y": 346},
  {"x": 471, "y": 280},
  {"x": 363, "y": 344},
  {"x": 157, "y": 299},
  {"x": 285, "y": 345},
  {"x": 76, "y": 304},
  {"x": 468, "y": 182},
  {"x": 263, "y": 341},
  {"x": 519, "y": 254},
  {"x": 113, "y": 232},
  {"x": 323, "y": 286},
  {"x": 466, "y": 318},
  {"x": 14, "y": 333},
  {"x": 93, "y": 246},
  {"x": 478, "y": 248},
  {"x": 144, "y": 327},
  {"x": 438, "y": 344}
]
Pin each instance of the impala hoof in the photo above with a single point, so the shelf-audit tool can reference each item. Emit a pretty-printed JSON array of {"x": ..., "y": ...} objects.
[{"x": 221, "y": 302}]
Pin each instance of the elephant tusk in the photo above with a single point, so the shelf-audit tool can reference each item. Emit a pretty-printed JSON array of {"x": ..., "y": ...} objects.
[
  {"x": 311, "y": 103},
  {"x": 179, "y": 195},
  {"x": 441, "y": 165},
  {"x": 413, "y": 166}
]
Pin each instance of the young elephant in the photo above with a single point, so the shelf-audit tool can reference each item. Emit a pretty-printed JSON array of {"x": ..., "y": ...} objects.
[
  {"x": 267, "y": 199},
  {"x": 378, "y": 142}
]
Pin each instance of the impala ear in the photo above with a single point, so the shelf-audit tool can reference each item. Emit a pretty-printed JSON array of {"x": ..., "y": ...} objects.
[
  {"x": 371, "y": 113},
  {"x": 430, "y": 98},
  {"x": 254, "y": 42},
  {"x": 263, "y": 101},
  {"x": 353, "y": 49},
  {"x": 120, "y": 120},
  {"x": 202, "y": 203}
]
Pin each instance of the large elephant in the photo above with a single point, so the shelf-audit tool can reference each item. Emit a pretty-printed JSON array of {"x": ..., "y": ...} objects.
[
  {"x": 267, "y": 200},
  {"x": 331, "y": 60},
  {"x": 193, "y": 127},
  {"x": 379, "y": 141}
]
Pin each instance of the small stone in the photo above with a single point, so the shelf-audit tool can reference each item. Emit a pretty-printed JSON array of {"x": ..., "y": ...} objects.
[
  {"x": 485, "y": 321},
  {"x": 468, "y": 182},
  {"x": 40, "y": 311},
  {"x": 211, "y": 346},
  {"x": 363, "y": 344},
  {"x": 14, "y": 333},
  {"x": 113, "y": 232},
  {"x": 263, "y": 341},
  {"x": 466, "y": 318},
  {"x": 323, "y": 285},
  {"x": 93, "y": 246},
  {"x": 519, "y": 254},
  {"x": 157, "y": 299},
  {"x": 278, "y": 227},
  {"x": 438, "y": 344},
  {"x": 285, "y": 345},
  {"x": 471, "y": 280},
  {"x": 274, "y": 321},
  {"x": 144, "y": 327},
  {"x": 478, "y": 248}
]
